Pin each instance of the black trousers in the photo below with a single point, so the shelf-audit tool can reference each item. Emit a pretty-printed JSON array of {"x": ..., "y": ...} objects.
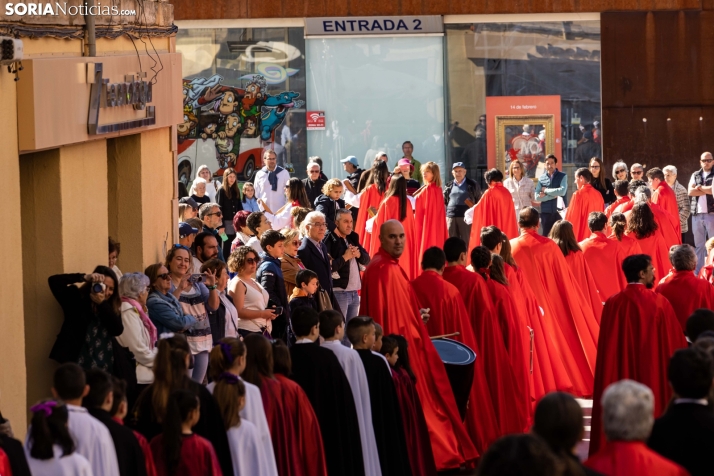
[{"x": 547, "y": 220}]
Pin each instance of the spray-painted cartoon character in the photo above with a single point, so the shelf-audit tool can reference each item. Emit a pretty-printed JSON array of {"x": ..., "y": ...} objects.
[
  {"x": 274, "y": 110},
  {"x": 228, "y": 141}
]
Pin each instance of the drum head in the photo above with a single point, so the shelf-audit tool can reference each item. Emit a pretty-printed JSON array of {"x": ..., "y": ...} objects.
[{"x": 454, "y": 352}]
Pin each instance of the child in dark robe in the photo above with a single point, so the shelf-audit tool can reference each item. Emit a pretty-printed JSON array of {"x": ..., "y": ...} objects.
[{"x": 303, "y": 295}]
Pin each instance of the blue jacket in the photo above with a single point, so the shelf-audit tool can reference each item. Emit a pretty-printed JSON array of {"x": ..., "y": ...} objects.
[
  {"x": 557, "y": 187},
  {"x": 270, "y": 276},
  {"x": 166, "y": 313}
]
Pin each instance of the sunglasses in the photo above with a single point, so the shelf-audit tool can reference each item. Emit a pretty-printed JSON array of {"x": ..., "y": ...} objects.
[
  {"x": 163, "y": 276},
  {"x": 296, "y": 243},
  {"x": 621, "y": 171},
  {"x": 252, "y": 260},
  {"x": 178, "y": 246},
  {"x": 636, "y": 173},
  {"x": 706, "y": 161},
  {"x": 220, "y": 214}
]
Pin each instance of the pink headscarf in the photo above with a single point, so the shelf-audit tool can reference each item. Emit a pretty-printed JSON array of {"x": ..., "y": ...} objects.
[{"x": 150, "y": 327}]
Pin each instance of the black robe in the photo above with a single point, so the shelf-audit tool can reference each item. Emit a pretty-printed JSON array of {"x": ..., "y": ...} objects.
[
  {"x": 386, "y": 416},
  {"x": 210, "y": 422},
  {"x": 129, "y": 453},
  {"x": 320, "y": 375},
  {"x": 16, "y": 455}
]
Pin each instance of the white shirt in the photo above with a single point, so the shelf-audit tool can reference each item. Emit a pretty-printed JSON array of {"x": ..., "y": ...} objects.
[
  {"x": 136, "y": 338},
  {"x": 255, "y": 300},
  {"x": 70, "y": 465},
  {"x": 702, "y": 199},
  {"x": 354, "y": 370},
  {"x": 282, "y": 219},
  {"x": 254, "y": 243},
  {"x": 93, "y": 441},
  {"x": 274, "y": 198},
  {"x": 231, "y": 329}
]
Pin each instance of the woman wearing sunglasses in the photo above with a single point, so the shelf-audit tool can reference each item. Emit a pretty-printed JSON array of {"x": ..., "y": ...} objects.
[
  {"x": 249, "y": 297},
  {"x": 619, "y": 171},
  {"x": 290, "y": 264}
]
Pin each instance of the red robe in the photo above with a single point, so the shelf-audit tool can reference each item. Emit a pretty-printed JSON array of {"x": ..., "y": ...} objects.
[
  {"x": 604, "y": 257},
  {"x": 686, "y": 293},
  {"x": 629, "y": 244},
  {"x": 614, "y": 205},
  {"x": 549, "y": 374},
  {"x": 584, "y": 201},
  {"x": 145, "y": 448},
  {"x": 389, "y": 299},
  {"x": 448, "y": 315},
  {"x": 626, "y": 206},
  {"x": 552, "y": 282},
  {"x": 5, "y": 467},
  {"x": 500, "y": 375},
  {"x": 665, "y": 197},
  {"x": 707, "y": 273},
  {"x": 197, "y": 457},
  {"x": 516, "y": 336},
  {"x": 430, "y": 219},
  {"x": 585, "y": 281},
  {"x": 669, "y": 226},
  {"x": 494, "y": 208},
  {"x": 655, "y": 247},
  {"x": 639, "y": 333},
  {"x": 632, "y": 458},
  {"x": 370, "y": 198},
  {"x": 389, "y": 210}
]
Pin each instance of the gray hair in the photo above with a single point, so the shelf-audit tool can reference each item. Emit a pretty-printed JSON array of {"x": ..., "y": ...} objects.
[
  {"x": 616, "y": 166},
  {"x": 206, "y": 209},
  {"x": 133, "y": 284},
  {"x": 310, "y": 218},
  {"x": 643, "y": 194},
  {"x": 312, "y": 159},
  {"x": 340, "y": 212},
  {"x": 670, "y": 169},
  {"x": 683, "y": 257},
  {"x": 627, "y": 411},
  {"x": 636, "y": 166},
  {"x": 310, "y": 164}
]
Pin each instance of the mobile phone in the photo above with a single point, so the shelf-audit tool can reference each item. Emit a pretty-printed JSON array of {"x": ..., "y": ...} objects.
[
  {"x": 278, "y": 310},
  {"x": 195, "y": 278}
]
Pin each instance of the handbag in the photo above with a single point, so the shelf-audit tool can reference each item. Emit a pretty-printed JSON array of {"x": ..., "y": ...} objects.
[{"x": 324, "y": 303}]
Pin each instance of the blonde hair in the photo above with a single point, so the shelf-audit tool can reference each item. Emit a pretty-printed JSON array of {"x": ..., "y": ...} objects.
[
  {"x": 510, "y": 166},
  {"x": 432, "y": 167},
  {"x": 290, "y": 234},
  {"x": 330, "y": 185},
  {"x": 709, "y": 245}
]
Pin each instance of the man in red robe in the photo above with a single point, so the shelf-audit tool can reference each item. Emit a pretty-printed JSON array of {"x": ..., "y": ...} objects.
[
  {"x": 585, "y": 200},
  {"x": 683, "y": 290},
  {"x": 627, "y": 408},
  {"x": 499, "y": 373},
  {"x": 447, "y": 314},
  {"x": 551, "y": 280},
  {"x": 663, "y": 195},
  {"x": 639, "y": 332},
  {"x": 388, "y": 298},
  {"x": 604, "y": 257},
  {"x": 495, "y": 208},
  {"x": 620, "y": 187}
]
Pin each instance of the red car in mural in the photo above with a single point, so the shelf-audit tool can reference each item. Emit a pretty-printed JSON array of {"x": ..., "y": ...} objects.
[{"x": 192, "y": 153}]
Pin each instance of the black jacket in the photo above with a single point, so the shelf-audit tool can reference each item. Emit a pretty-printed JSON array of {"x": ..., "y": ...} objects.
[
  {"x": 608, "y": 193},
  {"x": 336, "y": 247},
  {"x": 78, "y": 312},
  {"x": 217, "y": 320},
  {"x": 16, "y": 455},
  {"x": 229, "y": 206},
  {"x": 215, "y": 233},
  {"x": 270, "y": 276},
  {"x": 328, "y": 207},
  {"x": 313, "y": 260},
  {"x": 474, "y": 195},
  {"x": 313, "y": 189},
  {"x": 129, "y": 453},
  {"x": 685, "y": 435}
]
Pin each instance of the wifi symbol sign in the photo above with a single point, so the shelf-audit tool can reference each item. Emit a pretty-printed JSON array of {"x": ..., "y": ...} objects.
[
  {"x": 315, "y": 116},
  {"x": 315, "y": 120}
]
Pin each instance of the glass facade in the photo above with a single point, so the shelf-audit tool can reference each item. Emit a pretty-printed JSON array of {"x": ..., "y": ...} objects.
[
  {"x": 376, "y": 93},
  {"x": 244, "y": 90},
  {"x": 523, "y": 59}
]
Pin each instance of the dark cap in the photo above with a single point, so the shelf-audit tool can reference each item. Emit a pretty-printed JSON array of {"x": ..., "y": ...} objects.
[
  {"x": 185, "y": 230},
  {"x": 458, "y": 164},
  {"x": 190, "y": 202}
]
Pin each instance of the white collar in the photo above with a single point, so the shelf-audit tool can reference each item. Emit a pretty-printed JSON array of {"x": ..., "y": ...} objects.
[
  {"x": 697, "y": 401},
  {"x": 75, "y": 408},
  {"x": 332, "y": 342},
  {"x": 304, "y": 341}
]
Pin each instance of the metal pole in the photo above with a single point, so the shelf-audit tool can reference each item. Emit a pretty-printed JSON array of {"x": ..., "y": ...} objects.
[{"x": 91, "y": 34}]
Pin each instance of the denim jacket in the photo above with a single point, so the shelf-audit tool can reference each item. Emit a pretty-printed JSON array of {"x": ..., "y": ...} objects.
[{"x": 166, "y": 313}]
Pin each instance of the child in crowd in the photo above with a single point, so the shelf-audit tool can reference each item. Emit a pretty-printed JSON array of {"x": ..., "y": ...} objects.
[
  {"x": 199, "y": 187},
  {"x": 270, "y": 276},
  {"x": 378, "y": 334},
  {"x": 390, "y": 350},
  {"x": 304, "y": 292},
  {"x": 119, "y": 411},
  {"x": 178, "y": 451},
  {"x": 50, "y": 446}
]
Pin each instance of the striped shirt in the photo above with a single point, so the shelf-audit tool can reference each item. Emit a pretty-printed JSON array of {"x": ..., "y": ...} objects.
[
  {"x": 683, "y": 204},
  {"x": 523, "y": 192}
]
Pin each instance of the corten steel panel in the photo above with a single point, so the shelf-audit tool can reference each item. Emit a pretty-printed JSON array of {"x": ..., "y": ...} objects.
[{"x": 231, "y": 9}]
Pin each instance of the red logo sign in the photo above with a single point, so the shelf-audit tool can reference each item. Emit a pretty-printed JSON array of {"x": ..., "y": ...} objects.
[{"x": 315, "y": 120}]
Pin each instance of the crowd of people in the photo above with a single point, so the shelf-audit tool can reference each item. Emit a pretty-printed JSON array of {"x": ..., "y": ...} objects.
[{"x": 290, "y": 330}]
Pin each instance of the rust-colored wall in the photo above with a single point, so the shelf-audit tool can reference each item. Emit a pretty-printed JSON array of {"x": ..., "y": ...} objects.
[{"x": 228, "y": 9}]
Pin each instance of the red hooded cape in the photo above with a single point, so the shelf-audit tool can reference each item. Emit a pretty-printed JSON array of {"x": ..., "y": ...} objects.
[
  {"x": 614, "y": 205},
  {"x": 430, "y": 219},
  {"x": 654, "y": 246},
  {"x": 389, "y": 210},
  {"x": 665, "y": 197},
  {"x": 629, "y": 244},
  {"x": 499, "y": 373},
  {"x": 686, "y": 293},
  {"x": 550, "y": 278},
  {"x": 586, "y": 283},
  {"x": 639, "y": 333},
  {"x": 448, "y": 315},
  {"x": 388, "y": 298},
  {"x": 370, "y": 198},
  {"x": 549, "y": 374},
  {"x": 604, "y": 257},
  {"x": 630, "y": 458},
  {"x": 584, "y": 201},
  {"x": 495, "y": 208},
  {"x": 669, "y": 225}
]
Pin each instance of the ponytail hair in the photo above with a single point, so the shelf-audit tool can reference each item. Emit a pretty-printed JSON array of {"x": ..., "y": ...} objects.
[
  {"x": 618, "y": 223},
  {"x": 498, "y": 270},
  {"x": 179, "y": 405},
  {"x": 223, "y": 355},
  {"x": 49, "y": 428},
  {"x": 229, "y": 392},
  {"x": 169, "y": 372}
]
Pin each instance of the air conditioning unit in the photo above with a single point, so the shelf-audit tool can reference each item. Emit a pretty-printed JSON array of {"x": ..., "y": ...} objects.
[{"x": 10, "y": 50}]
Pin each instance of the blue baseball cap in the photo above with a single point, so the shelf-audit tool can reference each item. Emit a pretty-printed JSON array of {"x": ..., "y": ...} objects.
[
  {"x": 351, "y": 159},
  {"x": 185, "y": 230},
  {"x": 458, "y": 164}
]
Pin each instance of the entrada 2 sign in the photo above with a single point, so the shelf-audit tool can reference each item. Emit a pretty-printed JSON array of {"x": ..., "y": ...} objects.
[
  {"x": 397, "y": 25},
  {"x": 355, "y": 26}
]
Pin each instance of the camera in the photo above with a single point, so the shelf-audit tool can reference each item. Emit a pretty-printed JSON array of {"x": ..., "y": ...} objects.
[
  {"x": 195, "y": 278},
  {"x": 98, "y": 288}
]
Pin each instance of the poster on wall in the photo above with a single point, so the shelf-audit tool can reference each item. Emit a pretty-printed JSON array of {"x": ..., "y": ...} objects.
[
  {"x": 523, "y": 128},
  {"x": 315, "y": 120}
]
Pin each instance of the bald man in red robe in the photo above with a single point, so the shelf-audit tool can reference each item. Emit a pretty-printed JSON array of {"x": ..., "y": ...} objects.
[
  {"x": 495, "y": 208},
  {"x": 682, "y": 288},
  {"x": 585, "y": 200},
  {"x": 663, "y": 195},
  {"x": 604, "y": 257},
  {"x": 500, "y": 375},
  {"x": 388, "y": 298},
  {"x": 447, "y": 315},
  {"x": 551, "y": 280},
  {"x": 639, "y": 332}
]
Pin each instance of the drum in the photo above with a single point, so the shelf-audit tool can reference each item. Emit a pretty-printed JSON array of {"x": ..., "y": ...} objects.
[{"x": 459, "y": 361}]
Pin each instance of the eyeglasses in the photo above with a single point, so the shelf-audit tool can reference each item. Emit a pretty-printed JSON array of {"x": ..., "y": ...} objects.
[
  {"x": 220, "y": 214},
  {"x": 318, "y": 225},
  {"x": 314, "y": 171},
  {"x": 637, "y": 172},
  {"x": 164, "y": 276},
  {"x": 594, "y": 166},
  {"x": 252, "y": 260},
  {"x": 706, "y": 161}
]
